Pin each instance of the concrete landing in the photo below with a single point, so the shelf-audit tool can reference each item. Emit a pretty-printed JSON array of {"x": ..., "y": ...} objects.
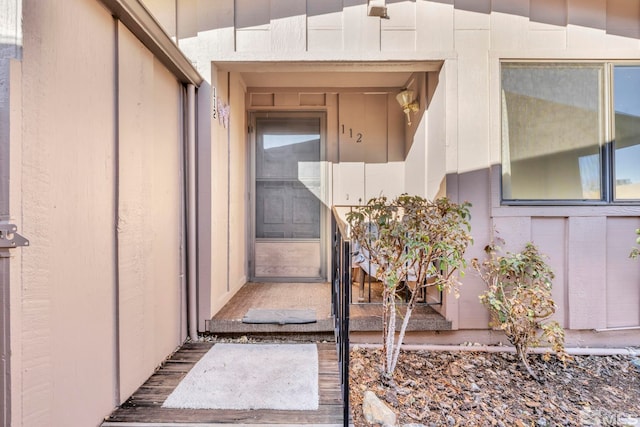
[{"x": 316, "y": 296}]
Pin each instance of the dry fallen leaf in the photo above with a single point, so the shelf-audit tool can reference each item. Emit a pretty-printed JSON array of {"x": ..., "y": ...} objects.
[{"x": 503, "y": 395}]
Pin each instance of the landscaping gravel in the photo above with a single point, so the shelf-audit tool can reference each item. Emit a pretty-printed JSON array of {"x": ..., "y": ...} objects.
[{"x": 492, "y": 389}]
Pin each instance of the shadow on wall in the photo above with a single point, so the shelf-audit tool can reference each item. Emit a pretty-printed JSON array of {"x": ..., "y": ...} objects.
[
  {"x": 594, "y": 287},
  {"x": 618, "y": 17}
]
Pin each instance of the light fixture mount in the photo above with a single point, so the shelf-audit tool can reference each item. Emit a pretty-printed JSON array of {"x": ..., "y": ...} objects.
[
  {"x": 409, "y": 104},
  {"x": 377, "y": 8}
]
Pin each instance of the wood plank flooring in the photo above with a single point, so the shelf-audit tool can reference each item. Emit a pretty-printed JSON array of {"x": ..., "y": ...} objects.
[{"x": 144, "y": 408}]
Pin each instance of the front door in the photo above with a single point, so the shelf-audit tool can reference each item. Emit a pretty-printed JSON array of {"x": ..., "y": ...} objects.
[{"x": 287, "y": 193}]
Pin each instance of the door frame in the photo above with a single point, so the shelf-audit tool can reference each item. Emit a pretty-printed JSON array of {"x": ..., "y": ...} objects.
[{"x": 324, "y": 182}]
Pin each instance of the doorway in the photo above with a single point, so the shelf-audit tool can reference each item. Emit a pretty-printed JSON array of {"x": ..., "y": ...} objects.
[{"x": 287, "y": 188}]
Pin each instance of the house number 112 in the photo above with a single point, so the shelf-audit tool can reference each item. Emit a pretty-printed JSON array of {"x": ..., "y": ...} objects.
[{"x": 358, "y": 135}]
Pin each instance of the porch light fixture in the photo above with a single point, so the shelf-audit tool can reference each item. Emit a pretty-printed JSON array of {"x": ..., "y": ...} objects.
[
  {"x": 408, "y": 103},
  {"x": 377, "y": 8}
]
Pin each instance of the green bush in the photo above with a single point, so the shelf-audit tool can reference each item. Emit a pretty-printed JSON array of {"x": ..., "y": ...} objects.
[
  {"x": 410, "y": 236},
  {"x": 518, "y": 297}
]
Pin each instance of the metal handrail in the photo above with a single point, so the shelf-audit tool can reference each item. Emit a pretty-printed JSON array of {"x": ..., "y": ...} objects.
[
  {"x": 341, "y": 283},
  {"x": 340, "y": 299}
]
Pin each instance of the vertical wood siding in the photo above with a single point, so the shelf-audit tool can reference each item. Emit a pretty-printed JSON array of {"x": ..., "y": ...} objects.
[
  {"x": 622, "y": 274},
  {"x": 586, "y": 272},
  {"x": 458, "y": 143}
]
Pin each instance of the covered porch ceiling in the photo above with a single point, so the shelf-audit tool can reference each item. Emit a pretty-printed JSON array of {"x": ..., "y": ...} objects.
[{"x": 325, "y": 74}]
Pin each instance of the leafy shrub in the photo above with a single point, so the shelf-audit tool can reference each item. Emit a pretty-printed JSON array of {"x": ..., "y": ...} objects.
[
  {"x": 518, "y": 297},
  {"x": 410, "y": 238}
]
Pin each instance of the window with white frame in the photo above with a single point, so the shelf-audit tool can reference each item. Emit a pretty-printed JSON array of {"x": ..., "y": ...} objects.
[{"x": 570, "y": 132}]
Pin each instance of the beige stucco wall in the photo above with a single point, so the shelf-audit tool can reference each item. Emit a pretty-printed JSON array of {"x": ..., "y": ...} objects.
[
  {"x": 67, "y": 310},
  {"x": 149, "y": 213},
  {"x": 96, "y": 297},
  {"x": 458, "y": 135}
]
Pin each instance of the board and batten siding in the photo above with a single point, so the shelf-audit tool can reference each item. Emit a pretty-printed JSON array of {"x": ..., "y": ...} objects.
[
  {"x": 456, "y": 146},
  {"x": 596, "y": 284},
  {"x": 228, "y": 203}
]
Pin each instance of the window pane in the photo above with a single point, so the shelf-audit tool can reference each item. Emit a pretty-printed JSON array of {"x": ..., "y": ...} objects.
[
  {"x": 552, "y": 131},
  {"x": 626, "y": 96},
  {"x": 288, "y": 148},
  {"x": 288, "y": 178}
]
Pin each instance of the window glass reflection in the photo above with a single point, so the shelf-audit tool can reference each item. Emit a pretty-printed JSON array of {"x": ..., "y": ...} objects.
[{"x": 627, "y": 130}]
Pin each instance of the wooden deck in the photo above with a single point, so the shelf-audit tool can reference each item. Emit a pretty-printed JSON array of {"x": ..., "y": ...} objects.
[{"x": 144, "y": 408}]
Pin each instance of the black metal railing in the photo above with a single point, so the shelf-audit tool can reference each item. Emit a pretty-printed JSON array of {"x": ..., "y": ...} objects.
[
  {"x": 340, "y": 299},
  {"x": 342, "y": 261}
]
